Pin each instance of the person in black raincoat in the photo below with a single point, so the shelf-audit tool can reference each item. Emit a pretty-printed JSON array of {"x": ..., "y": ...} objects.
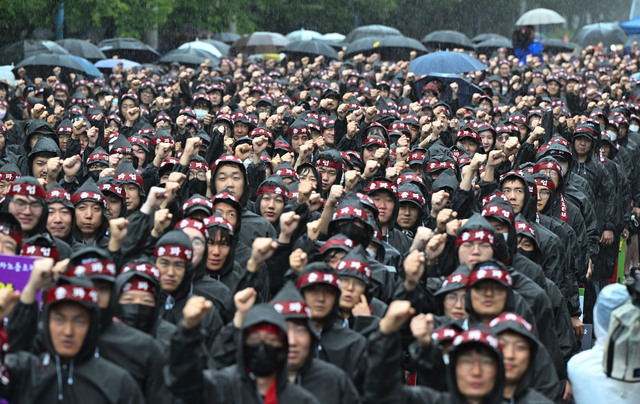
[
  {"x": 25, "y": 200},
  {"x": 475, "y": 375},
  {"x": 519, "y": 349},
  {"x": 384, "y": 195},
  {"x": 319, "y": 285},
  {"x": 90, "y": 222},
  {"x": 138, "y": 292},
  {"x": 68, "y": 371},
  {"x": 260, "y": 373}
]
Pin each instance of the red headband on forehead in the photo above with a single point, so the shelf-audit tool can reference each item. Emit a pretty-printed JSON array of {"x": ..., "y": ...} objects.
[
  {"x": 98, "y": 157},
  {"x": 496, "y": 210},
  {"x": 157, "y": 140},
  {"x": 116, "y": 189},
  {"x": 354, "y": 265},
  {"x": 476, "y": 235},
  {"x": 411, "y": 196},
  {"x": 196, "y": 201},
  {"x": 444, "y": 334},
  {"x": 9, "y": 177},
  {"x": 90, "y": 196},
  {"x": 490, "y": 272},
  {"x": 192, "y": 224},
  {"x": 437, "y": 165},
  {"x": 27, "y": 190},
  {"x": 489, "y": 198},
  {"x": 11, "y": 232},
  {"x": 328, "y": 163},
  {"x": 336, "y": 242},
  {"x": 270, "y": 328},
  {"x": 318, "y": 277},
  {"x": 524, "y": 227},
  {"x": 174, "y": 251},
  {"x": 546, "y": 183},
  {"x": 506, "y": 317},
  {"x": 293, "y": 307},
  {"x": 72, "y": 292},
  {"x": 382, "y": 184},
  {"x": 139, "y": 285},
  {"x": 287, "y": 172},
  {"x": 272, "y": 190},
  {"x": 39, "y": 251},
  {"x": 93, "y": 268},
  {"x": 547, "y": 165},
  {"x": 143, "y": 268},
  {"x": 352, "y": 211}
]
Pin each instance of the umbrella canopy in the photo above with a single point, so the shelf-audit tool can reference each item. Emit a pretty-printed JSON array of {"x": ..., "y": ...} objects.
[
  {"x": 111, "y": 63},
  {"x": 129, "y": 48},
  {"x": 43, "y": 64},
  {"x": 631, "y": 27},
  {"x": 465, "y": 88},
  {"x": 200, "y": 45},
  {"x": 609, "y": 33},
  {"x": 221, "y": 46},
  {"x": 490, "y": 45},
  {"x": 371, "y": 30},
  {"x": 485, "y": 37},
  {"x": 188, "y": 56},
  {"x": 303, "y": 35},
  {"x": 260, "y": 43},
  {"x": 445, "y": 62},
  {"x": 447, "y": 39},
  {"x": 17, "y": 51},
  {"x": 558, "y": 46},
  {"x": 540, "y": 16},
  {"x": 7, "y": 75},
  {"x": 84, "y": 49},
  {"x": 226, "y": 37},
  {"x": 300, "y": 49},
  {"x": 390, "y": 47},
  {"x": 334, "y": 36}
]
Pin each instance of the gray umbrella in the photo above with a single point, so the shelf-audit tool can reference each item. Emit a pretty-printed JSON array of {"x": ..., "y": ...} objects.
[
  {"x": 485, "y": 37},
  {"x": 540, "y": 16},
  {"x": 260, "y": 42},
  {"x": 447, "y": 39},
  {"x": 84, "y": 49},
  {"x": 371, "y": 30},
  {"x": 314, "y": 47},
  {"x": 390, "y": 47},
  {"x": 17, "y": 51},
  {"x": 609, "y": 33}
]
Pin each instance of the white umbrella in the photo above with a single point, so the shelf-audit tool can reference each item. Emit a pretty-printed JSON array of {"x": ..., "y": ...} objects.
[
  {"x": 303, "y": 35},
  {"x": 540, "y": 16},
  {"x": 201, "y": 45},
  {"x": 7, "y": 74},
  {"x": 334, "y": 36}
]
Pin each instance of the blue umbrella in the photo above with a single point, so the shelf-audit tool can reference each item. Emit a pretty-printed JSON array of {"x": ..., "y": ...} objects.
[
  {"x": 111, "y": 63},
  {"x": 87, "y": 66},
  {"x": 465, "y": 88},
  {"x": 445, "y": 62}
]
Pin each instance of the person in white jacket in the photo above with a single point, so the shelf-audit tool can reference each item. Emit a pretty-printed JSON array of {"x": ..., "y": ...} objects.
[{"x": 589, "y": 382}]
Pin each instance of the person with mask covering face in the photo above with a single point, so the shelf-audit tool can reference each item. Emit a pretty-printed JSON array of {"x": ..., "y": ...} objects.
[
  {"x": 319, "y": 285},
  {"x": 475, "y": 373},
  {"x": 138, "y": 289},
  {"x": 260, "y": 374},
  {"x": 201, "y": 105},
  {"x": 68, "y": 372},
  {"x": 96, "y": 163}
]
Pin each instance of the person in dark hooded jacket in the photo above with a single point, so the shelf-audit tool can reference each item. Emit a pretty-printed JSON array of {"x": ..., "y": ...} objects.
[
  {"x": 476, "y": 373},
  {"x": 39, "y": 156},
  {"x": 260, "y": 374},
  {"x": 385, "y": 196},
  {"x": 61, "y": 214},
  {"x": 35, "y": 130},
  {"x": 90, "y": 222},
  {"x": 25, "y": 200},
  {"x": 138, "y": 290},
  {"x": 318, "y": 283},
  {"x": 519, "y": 349},
  {"x": 68, "y": 372}
]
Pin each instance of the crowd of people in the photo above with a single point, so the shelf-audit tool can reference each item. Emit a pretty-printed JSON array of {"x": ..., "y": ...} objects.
[{"x": 317, "y": 231}]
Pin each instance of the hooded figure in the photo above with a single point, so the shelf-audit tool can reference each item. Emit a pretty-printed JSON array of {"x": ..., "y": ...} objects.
[
  {"x": 589, "y": 382},
  {"x": 521, "y": 351},
  {"x": 91, "y": 223},
  {"x": 384, "y": 193},
  {"x": 467, "y": 380},
  {"x": 27, "y": 192},
  {"x": 133, "y": 184},
  {"x": 69, "y": 371},
  {"x": 45, "y": 148},
  {"x": 261, "y": 355},
  {"x": 319, "y": 285},
  {"x": 139, "y": 292}
]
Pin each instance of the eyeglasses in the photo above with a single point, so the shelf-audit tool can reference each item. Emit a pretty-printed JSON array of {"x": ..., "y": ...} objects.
[
  {"x": 454, "y": 298},
  {"x": 467, "y": 361},
  {"x": 20, "y": 206}
]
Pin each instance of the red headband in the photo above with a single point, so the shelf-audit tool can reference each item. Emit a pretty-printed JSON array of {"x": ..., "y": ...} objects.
[
  {"x": 522, "y": 226},
  {"x": 511, "y": 317},
  {"x": 9, "y": 177},
  {"x": 116, "y": 189},
  {"x": 496, "y": 210},
  {"x": 350, "y": 210},
  {"x": 490, "y": 272},
  {"x": 293, "y": 307},
  {"x": 476, "y": 235},
  {"x": 11, "y": 232},
  {"x": 287, "y": 172},
  {"x": 455, "y": 278},
  {"x": 88, "y": 195},
  {"x": 174, "y": 251},
  {"x": 192, "y": 224},
  {"x": 318, "y": 277},
  {"x": 39, "y": 251},
  {"x": 143, "y": 268},
  {"x": 336, "y": 242},
  {"x": 546, "y": 183},
  {"x": 328, "y": 163},
  {"x": 139, "y": 285},
  {"x": 27, "y": 190},
  {"x": 72, "y": 292},
  {"x": 382, "y": 184},
  {"x": 270, "y": 328},
  {"x": 547, "y": 165},
  {"x": 93, "y": 268},
  {"x": 354, "y": 265}
]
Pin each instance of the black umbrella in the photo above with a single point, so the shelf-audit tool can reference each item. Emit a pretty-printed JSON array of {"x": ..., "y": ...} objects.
[
  {"x": 390, "y": 47},
  {"x": 490, "y": 45},
  {"x": 300, "y": 49},
  {"x": 188, "y": 56},
  {"x": 129, "y": 48},
  {"x": 221, "y": 46},
  {"x": 486, "y": 37},
  {"x": 558, "y": 46},
  {"x": 84, "y": 49},
  {"x": 226, "y": 37},
  {"x": 371, "y": 30},
  {"x": 609, "y": 33},
  {"x": 42, "y": 65},
  {"x": 17, "y": 51},
  {"x": 447, "y": 39}
]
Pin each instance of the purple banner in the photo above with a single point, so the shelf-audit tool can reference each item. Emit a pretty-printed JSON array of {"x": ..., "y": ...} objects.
[{"x": 15, "y": 271}]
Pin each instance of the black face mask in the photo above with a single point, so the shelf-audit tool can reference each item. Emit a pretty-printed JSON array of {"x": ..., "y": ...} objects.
[
  {"x": 138, "y": 316},
  {"x": 359, "y": 235},
  {"x": 95, "y": 175},
  {"x": 197, "y": 186},
  {"x": 264, "y": 359},
  {"x": 529, "y": 254}
]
